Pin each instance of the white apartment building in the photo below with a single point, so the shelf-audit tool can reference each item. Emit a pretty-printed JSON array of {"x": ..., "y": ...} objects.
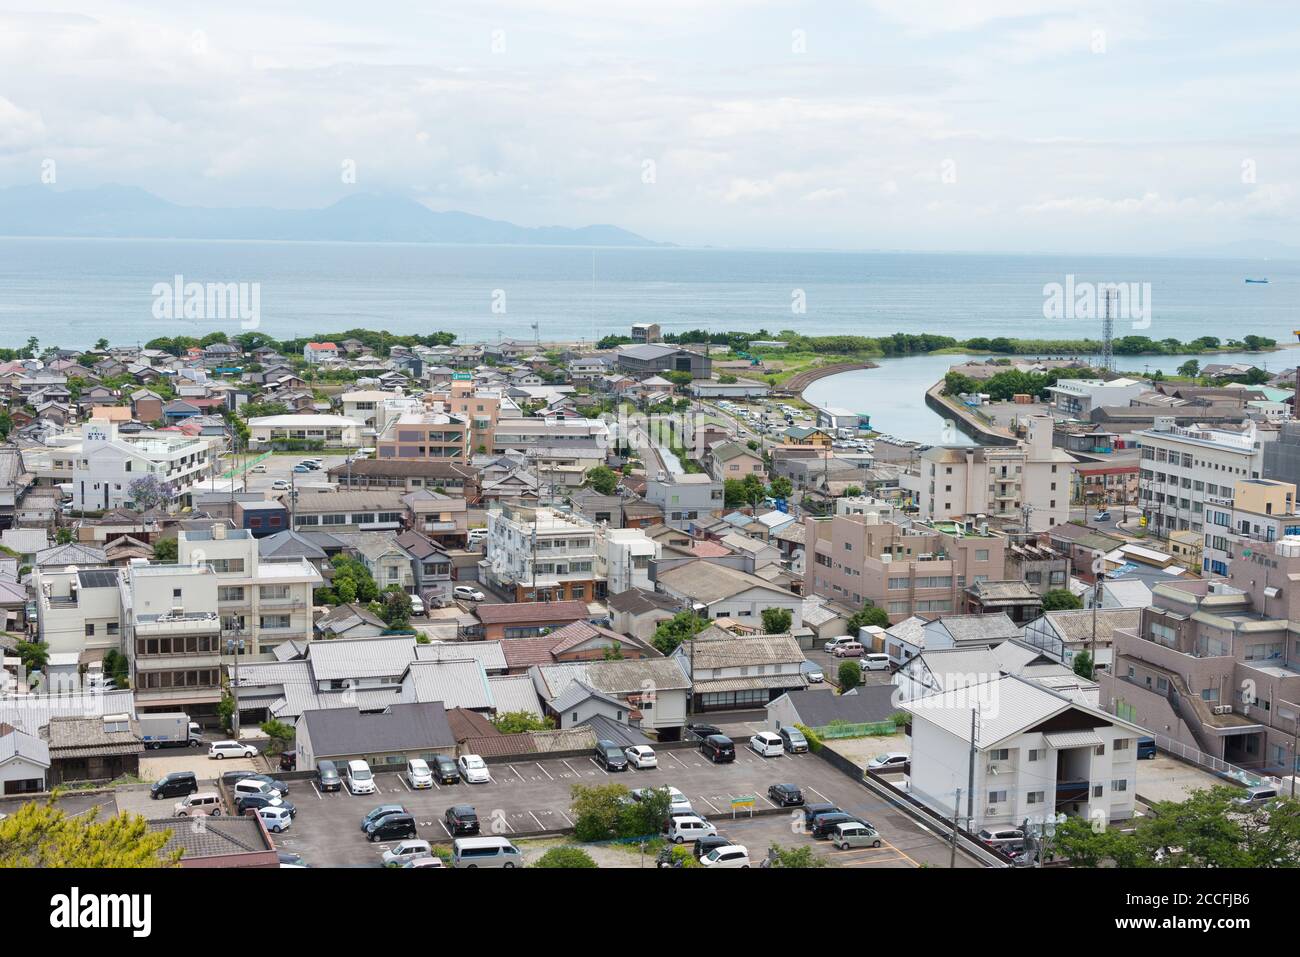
[
  {"x": 685, "y": 499},
  {"x": 171, "y": 632},
  {"x": 623, "y": 557},
  {"x": 525, "y": 433},
  {"x": 332, "y": 431},
  {"x": 363, "y": 406},
  {"x": 263, "y": 602},
  {"x": 537, "y": 554},
  {"x": 78, "y": 610},
  {"x": 107, "y": 463},
  {"x": 1182, "y": 470},
  {"x": 1076, "y": 398},
  {"x": 1038, "y": 753},
  {"x": 996, "y": 483}
]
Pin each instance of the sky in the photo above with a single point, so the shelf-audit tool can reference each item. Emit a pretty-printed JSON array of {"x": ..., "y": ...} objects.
[{"x": 981, "y": 125}]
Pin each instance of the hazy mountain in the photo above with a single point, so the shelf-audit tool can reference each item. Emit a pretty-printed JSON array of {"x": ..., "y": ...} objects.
[{"x": 126, "y": 212}]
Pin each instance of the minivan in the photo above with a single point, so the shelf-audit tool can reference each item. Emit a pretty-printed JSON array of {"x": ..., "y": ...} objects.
[
  {"x": 176, "y": 784},
  {"x": 687, "y": 827},
  {"x": 875, "y": 661},
  {"x": 391, "y": 826},
  {"x": 718, "y": 748},
  {"x": 199, "y": 804},
  {"x": 327, "y": 776},
  {"x": 470, "y": 852},
  {"x": 854, "y": 834},
  {"x": 252, "y": 786},
  {"x": 849, "y": 649},
  {"x": 610, "y": 756},
  {"x": 792, "y": 740},
  {"x": 361, "y": 780}
]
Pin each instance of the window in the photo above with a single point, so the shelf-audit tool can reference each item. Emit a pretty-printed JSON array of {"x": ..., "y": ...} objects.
[
  {"x": 999, "y": 754},
  {"x": 1099, "y": 750},
  {"x": 1035, "y": 754},
  {"x": 1034, "y": 797},
  {"x": 1098, "y": 790},
  {"x": 90, "y": 629},
  {"x": 1120, "y": 785},
  {"x": 997, "y": 797}
]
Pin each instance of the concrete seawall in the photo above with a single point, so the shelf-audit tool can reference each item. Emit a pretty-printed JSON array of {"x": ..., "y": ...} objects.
[
  {"x": 970, "y": 424},
  {"x": 797, "y": 383}
]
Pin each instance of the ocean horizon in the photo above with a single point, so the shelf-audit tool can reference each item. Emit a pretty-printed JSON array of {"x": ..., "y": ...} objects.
[{"x": 71, "y": 292}]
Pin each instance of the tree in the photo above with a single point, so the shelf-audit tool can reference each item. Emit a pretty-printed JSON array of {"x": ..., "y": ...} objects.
[
  {"x": 613, "y": 652},
  {"x": 226, "y": 711},
  {"x": 165, "y": 551},
  {"x": 781, "y": 487},
  {"x": 395, "y": 607},
  {"x": 776, "y": 621},
  {"x": 101, "y": 344},
  {"x": 361, "y": 584},
  {"x": 602, "y": 479},
  {"x": 602, "y": 812},
  {"x": 62, "y": 536},
  {"x": 1191, "y": 369},
  {"x": 850, "y": 674},
  {"x": 566, "y": 857},
  {"x": 672, "y": 632},
  {"x": 42, "y": 835},
  {"x": 727, "y": 378},
  {"x": 752, "y": 490},
  {"x": 1061, "y": 599},
  {"x": 515, "y": 722},
  {"x": 117, "y": 667},
  {"x": 281, "y": 736},
  {"x": 794, "y": 856},
  {"x": 1083, "y": 665},
  {"x": 33, "y": 654},
  {"x": 146, "y": 492},
  {"x": 852, "y": 492},
  {"x": 679, "y": 379},
  {"x": 869, "y": 615}
]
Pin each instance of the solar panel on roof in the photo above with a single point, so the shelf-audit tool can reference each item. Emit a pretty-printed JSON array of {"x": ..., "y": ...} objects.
[{"x": 98, "y": 578}]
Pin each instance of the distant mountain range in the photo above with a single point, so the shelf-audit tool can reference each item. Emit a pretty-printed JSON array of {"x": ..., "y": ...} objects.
[{"x": 127, "y": 212}]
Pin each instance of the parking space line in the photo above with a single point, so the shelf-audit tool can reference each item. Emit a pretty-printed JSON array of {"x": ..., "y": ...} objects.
[
  {"x": 313, "y": 787},
  {"x": 676, "y": 758},
  {"x": 813, "y": 790},
  {"x": 567, "y": 819},
  {"x": 576, "y": 772},
  {"x": 403, "y": 783},
  {"x": 537, "y": 819},
  {"x": 768, "y": 800},
  {"x": 516, "y": 770},
  {"x": 598, "y": 767},
  {"x": 710, "y": 804},
  {"x": 544, "y": 771}
]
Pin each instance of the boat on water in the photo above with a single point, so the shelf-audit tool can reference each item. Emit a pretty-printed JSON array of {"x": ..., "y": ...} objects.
[{"x": 1259, "y": 281}]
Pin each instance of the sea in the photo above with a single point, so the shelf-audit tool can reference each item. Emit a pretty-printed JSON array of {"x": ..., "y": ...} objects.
[{"x": 71, "y": 292}]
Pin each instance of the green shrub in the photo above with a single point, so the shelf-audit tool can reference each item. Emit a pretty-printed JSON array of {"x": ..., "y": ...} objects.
[{"x": 567, "y": 857}]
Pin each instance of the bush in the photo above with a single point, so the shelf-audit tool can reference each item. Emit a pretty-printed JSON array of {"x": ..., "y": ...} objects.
[
  {"x": 776, "y": 621},
  {"x": 1061, "y": 599},
  {"x": 566, "y": 857},
  {"x": 814, "y": 740},
  {"x": 850, "y": 674}
]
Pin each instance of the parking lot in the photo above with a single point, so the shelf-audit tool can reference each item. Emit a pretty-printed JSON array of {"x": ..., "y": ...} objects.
[
  {"x": 280, "y": 466},
  {"x": 533, "y": 796}
]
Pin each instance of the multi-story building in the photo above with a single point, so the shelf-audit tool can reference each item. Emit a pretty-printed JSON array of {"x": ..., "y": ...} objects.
[
  {"x": 108, "y": 462},
  {"x": 903, "y": 567},
  {"x": 685, "y": 499},
  {"x": 1037, "y": 753},
  {"x": 369, "y": 511},
  {"x": 643, "y": 332},
  {"x": 78, "y": 610},
  {"x": 363, "y": 406},
  {"x": 1182, "y": 469},
  {"x": 1030, "y": 480},
  {"x": 327, "y": 431},
  {"x": 623, "y": 557},
  {"x": 536, "y": 554},
  {"x": 1077, "y": 398},
  {"x": 262, "y": 601},
  {"x": 480, "y": 408},
  {"x": 526, "y": 433},
  {"x": 443, "y": 518},
  {"x": 1255, "y": 513},
  {"x": 171, "y": 630},
  {"x": 1215, "y": 664},
  {"x": 427, "y": 435}
]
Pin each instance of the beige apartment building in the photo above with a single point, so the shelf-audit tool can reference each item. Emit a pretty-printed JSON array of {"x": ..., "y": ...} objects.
[
  {"x": 999, "y": 484},
  {"x": 1215, "y": 664},
  {"x": 427, "y": 435},
  {"x": 479, "y": 408},
  {"x": 907, "y": 568}
]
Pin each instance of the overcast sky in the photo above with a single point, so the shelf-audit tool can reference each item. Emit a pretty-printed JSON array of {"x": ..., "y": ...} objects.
[{"x": 878, "y": 124}]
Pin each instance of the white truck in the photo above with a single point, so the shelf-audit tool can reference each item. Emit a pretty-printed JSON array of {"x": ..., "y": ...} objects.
[{"x": 173, "y": 730}]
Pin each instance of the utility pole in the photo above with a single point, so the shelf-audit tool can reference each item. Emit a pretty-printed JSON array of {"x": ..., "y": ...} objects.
[
  {"x": 1092, "y": 645},
  {"x": 952, "y": 847},
  {"x": 1295, "y": 739},
  {"x": 970, "y": 774},
  {"x": 235, "y": 647}
]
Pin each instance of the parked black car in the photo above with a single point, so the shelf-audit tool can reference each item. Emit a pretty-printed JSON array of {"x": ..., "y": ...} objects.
[
  {"x": 383, "y": 810},
  {"x": 610, "y": 756},
  {"x": 327, "y": 776},
  {"x": 718, "y": 748},
  {"x": 824, "y": 824},
  {"x": 251, "y": 802},
  {"x": 444, "y": 769},
  {"x": 461, "y": 819},
  {"x": 785, "y": 795},
  {"x": 392, "y": 827},
  {"x": 702, "y": 731},
  {"x": 705, "y": 844},
  {"x": 176, "y": 784},
  {"x": 810, "y": 811}
]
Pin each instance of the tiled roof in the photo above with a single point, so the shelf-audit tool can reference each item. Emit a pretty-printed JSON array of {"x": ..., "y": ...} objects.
[
  {"x": 530, "y": 611},
  {"x": 219, "y": 837},
  {"x": 86, "y": 737},
  {"x": 733, "y": 652}
]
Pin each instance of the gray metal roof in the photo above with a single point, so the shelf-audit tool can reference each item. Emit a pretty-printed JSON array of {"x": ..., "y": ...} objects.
[
  {"x": 341, "y": 658},
  {"x": 19, "y": 744},
  {"x": 347, "y": 732},
  {"x": 606, "y": 728},
  {"x": 514, "y": 693},
  {"x": 457, "y": 684},
  {"x": 867, "y": 704},
  {"x": 488, "y": 653}
]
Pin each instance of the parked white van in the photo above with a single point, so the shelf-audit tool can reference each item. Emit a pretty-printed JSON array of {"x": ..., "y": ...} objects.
[
  {"x": 767, "y": 744},
  {"x": 470, "y": 852},
  {"x": 361, "y": 780},
  {"x": 253, "y": 786},
  {"x": 688, "y": 827},
  {"x": 875, "y": 661}
]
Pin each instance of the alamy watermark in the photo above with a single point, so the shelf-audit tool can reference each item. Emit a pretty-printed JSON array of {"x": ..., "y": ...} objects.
[
  {"x": 1087, "y": 300},
  {"x": 209, "y": 301}
]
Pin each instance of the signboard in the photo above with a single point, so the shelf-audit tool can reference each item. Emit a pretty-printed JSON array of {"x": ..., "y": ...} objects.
[
  {"x": 463, "y": 376},
  {"x": 743, "y": 803}
]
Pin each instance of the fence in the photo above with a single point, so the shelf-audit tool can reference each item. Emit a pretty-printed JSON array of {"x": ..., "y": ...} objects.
[
  {"x": 1211, "y": 763},
  {"x": 845, "y": 730}
]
